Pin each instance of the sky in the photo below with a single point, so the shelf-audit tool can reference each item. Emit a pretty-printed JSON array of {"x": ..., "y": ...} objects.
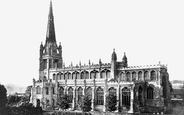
[{"x": 148, "y": 31}]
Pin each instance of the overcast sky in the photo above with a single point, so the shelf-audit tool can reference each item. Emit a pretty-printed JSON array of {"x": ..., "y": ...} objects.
[{"x": 148, "y": 31}]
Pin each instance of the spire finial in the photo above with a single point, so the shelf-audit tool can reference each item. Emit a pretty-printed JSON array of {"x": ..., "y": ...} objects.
[{"x": 113, "y": 49}]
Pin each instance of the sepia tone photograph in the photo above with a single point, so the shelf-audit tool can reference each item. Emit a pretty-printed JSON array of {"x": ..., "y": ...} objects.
[{"x": 98, "y": 57}]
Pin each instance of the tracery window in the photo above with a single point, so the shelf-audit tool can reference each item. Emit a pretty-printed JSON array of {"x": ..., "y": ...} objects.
[
  {"x": 122, "y": 77},
  {"x": 125, "y": 96},
  {"x": 112, "y": 91},
  {"x": 61, "y": 91},
  {"x": 80, "y": 93},
  {"x": 149, "y": 93},
  {"x": 100, "y": 96},
  {"x": 38, "y": 90},
  {"x": 89, "y": 92},
  {"x": 70, "y": 94}
]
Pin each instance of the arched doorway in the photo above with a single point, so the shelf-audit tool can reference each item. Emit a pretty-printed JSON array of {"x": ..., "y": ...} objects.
[
  {"x": 37, "y": 103},
  {"x": 126, "y": 97}
]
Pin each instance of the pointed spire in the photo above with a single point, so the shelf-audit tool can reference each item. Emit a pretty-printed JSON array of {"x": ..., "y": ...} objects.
[{"x": 50, "y": 36}]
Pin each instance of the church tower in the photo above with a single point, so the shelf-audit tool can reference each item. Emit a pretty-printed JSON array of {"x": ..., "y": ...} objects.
[{"x": 50, "y": 52}]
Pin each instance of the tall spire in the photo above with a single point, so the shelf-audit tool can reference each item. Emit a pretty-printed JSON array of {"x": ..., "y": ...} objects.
[{"x": 50, "y": 36}]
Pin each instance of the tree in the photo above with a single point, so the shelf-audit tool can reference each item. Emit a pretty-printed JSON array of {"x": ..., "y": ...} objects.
[
  {"x": 3, "y": 96},
  {"x": 13, "y": 100},
  {"x": 111, "y": 102},
  {"x": 170, "y": 86},
  {"x": 64, "y": 102},
  {"x": 85, "y": 104}
]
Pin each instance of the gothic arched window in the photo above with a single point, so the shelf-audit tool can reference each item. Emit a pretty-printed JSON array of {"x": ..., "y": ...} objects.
[
  {"x": 146, "y": 76},
  {"x": 122, "y": 77},
  {"x": 38, "y": 90},
  {"x": 125, "y": 96},
  {"x": 70, "y": 94},
  {"x": 108, "y": 73},
  {"x": 61, "y": 91},
  {"x": 93, "y": 75},
  {"x": 89, "y": 92},
  {"x": 153, "y": 75},
  {"x": 112, "y": 91},
  {"x": 87, "y": 75},
  {"x": 128, "y": 76},
  {"x": 149, "y": 93},
  {"x": 133, "y": 76},
  {"x": 80, "y": 93},
  {"x": 69, "y": 76},
  {"x": 62, "y": 76},
  {"x": 77, "y": 75},
  {"x": 140, "y": 76},
  {"x": 58, "y": 76},
  {"x": 100, "y": 96},
  {"x": 103, "y": 74}
]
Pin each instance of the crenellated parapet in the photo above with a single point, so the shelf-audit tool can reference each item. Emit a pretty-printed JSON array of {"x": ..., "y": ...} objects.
[{"x": 143, "y": 67}]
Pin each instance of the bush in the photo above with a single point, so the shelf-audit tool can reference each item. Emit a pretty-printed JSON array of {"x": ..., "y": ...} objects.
[
  {"x": 64, "y": 102},
  {"x": 25, "y": 109},
  {"x": 111, "y": 102},
  {"x": 85, "y": 104}
]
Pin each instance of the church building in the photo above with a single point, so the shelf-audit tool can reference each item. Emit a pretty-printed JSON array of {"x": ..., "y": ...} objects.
[{"x": 138, "y": 88}]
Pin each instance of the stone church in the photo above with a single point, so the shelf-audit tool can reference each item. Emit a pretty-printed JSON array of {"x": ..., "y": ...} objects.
[{"x": 138, "y": 88}]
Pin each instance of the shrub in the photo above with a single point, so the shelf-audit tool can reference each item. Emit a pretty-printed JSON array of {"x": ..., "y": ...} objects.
[
  {"x": 85, "y": 104},
  {"x": 64, "y": 102},
  {"x": 111, "y": 102}
]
